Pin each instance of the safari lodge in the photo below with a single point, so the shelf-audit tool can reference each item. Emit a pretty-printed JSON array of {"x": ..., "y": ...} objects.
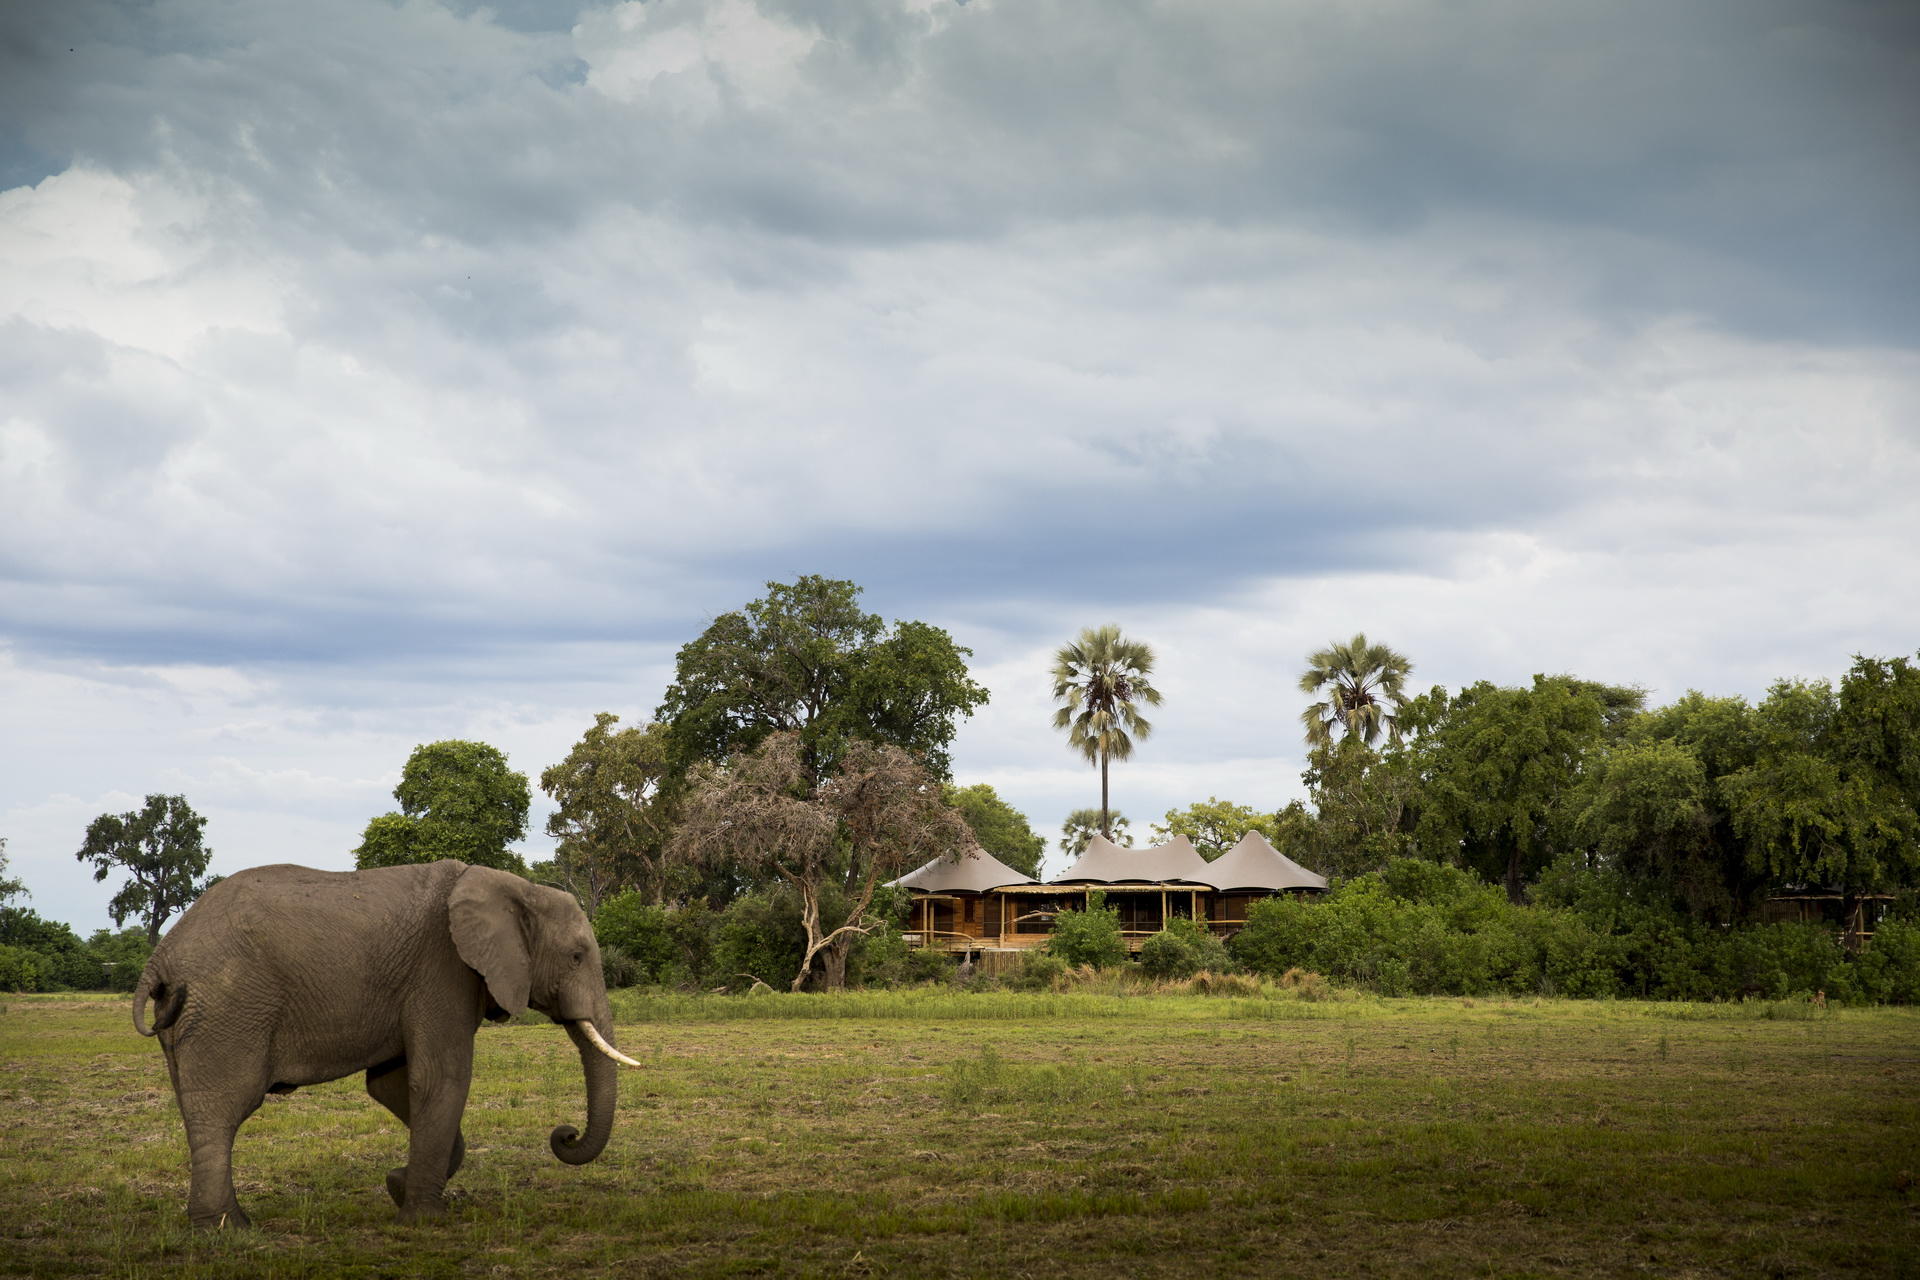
[{"x": 980, "y": 907}]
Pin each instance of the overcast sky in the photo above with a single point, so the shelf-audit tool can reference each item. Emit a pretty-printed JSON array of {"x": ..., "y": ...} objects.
[{"x": 373, "y": 373}]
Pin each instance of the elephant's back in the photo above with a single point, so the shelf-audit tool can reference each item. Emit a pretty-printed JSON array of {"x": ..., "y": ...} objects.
[{"x": 261, "y": 902}]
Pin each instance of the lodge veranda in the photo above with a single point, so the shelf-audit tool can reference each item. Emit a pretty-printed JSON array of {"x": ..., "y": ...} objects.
[{"x": 977, "y": 906}]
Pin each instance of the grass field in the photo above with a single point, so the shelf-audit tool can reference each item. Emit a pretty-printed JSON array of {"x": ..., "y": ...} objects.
[{"x": 936, "y": 1134}]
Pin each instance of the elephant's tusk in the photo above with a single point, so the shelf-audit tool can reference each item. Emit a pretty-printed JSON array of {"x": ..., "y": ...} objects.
[{"x": 600, "y": 1043}]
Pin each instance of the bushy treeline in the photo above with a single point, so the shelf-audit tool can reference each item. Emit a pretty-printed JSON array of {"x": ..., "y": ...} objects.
[
  {"x": 1709, "y": 805},
  {"x": 45, "y": 955},
  {"x": 1418, "y": 928},
  {"x": 1413, "y": 928},
  {"x": 756, "y": 938}
]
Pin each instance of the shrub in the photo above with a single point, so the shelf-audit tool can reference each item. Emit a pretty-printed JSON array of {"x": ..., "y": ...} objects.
[
  {"x": 19, "y": 969},
  {"x": 1181, "y": 950},
  {"x": 758, "y": 936},
  {"x": 884, "y": 959},
  {"x": 641, "y": 932},
  {"x": 1039, "y": 971},
  {"x": 618, "y": 967},
  {"x": 1889, "y": 969},
  {"x": 121, "y": 957},
  {"x": 1090, "y": 937}
]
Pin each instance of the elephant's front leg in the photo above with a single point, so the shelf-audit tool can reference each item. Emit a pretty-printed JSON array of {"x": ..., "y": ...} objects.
[{"x": 392, "y": 1086}]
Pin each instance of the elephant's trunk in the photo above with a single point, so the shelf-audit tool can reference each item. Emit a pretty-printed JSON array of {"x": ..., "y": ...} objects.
[{"x": 602, "y": 1087}]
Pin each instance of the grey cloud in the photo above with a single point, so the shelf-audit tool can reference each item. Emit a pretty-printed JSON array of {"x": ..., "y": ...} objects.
[{"x": 1770, "y": 139}]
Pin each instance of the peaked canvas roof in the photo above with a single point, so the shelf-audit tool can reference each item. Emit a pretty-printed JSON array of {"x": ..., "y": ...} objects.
[
  {"x": 1256, "y": 864},
  {"x": 1104, "y": 862},
  {"x": 976, "y": 874}
]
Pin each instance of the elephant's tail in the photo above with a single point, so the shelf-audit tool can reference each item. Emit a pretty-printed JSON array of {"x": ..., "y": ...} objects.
[{"x": 167, "y": 1002}]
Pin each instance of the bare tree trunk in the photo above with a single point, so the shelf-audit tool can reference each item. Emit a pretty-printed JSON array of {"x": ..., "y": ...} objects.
[
  {"x": 832, "y": 947},
  {"x": 1106, "y": 823}
]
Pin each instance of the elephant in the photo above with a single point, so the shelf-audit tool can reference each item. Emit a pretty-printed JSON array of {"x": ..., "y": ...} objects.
[{"x": 283, "y": 976}]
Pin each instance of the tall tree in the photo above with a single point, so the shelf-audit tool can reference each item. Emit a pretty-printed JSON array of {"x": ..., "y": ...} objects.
[
  {"x": 458, "y": 799},
  {"x": 161, "y": 847},
  {"x": 878, "y": 815},
  {"x": 805, "y": 659},
  {"x": 1100, "y": 679},
  {"x": 1001, "y": 829},
  {"x": 1499, "y": 770},
  {"x": 1364, "y": 685},
  {"x": 608, "y": 817},
  {"x": 1822, "y": 803},
  {"x": 1653, "y": 805}
]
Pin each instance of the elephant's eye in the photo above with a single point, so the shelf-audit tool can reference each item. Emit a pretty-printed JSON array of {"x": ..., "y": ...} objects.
[{"x": 578, "y": 956}]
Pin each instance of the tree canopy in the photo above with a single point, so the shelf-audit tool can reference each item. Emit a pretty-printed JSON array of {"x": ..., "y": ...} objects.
[
  {"x": 878, "y": 815},
  {"x": 458, "y": 799},
  {"x": 1499, "y": 769},
  {"x": 1215, "y": 826},
  {"x": 805, "y": 659},
  {"x": 608, "y": 816},
  {"x": 1364, "y": 685},
  {"x": 1001, "y": 829},
  {"x": 161, "y": 848},
  {"x": 1101, "y": 678},
  {"x": 1083, "y": 825}
]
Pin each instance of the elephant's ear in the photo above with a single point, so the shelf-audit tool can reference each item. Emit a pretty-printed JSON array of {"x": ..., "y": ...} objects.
[{"x": 487, "y": 915}]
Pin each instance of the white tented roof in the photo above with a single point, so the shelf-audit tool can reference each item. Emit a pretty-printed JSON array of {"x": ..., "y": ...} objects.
[
  {"x": 1104, "y": 862},
  {"x": 1256, "y": 864},
  {"x": 974, "y": 872}
]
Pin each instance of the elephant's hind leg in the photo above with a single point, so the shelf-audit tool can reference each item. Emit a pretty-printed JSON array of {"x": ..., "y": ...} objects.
[
  {"x": 387, "y": 1084},
  {"x": 212, "y": 1117}
]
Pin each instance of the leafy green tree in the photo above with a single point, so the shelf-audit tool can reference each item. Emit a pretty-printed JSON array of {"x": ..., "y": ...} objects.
[
  {"x": 1366, "y": 800},
  {"x": 1823, "y": 801},
  {"x": 1001, "y": 829},
  {"x": 161, "y": 849},
  {"x": 1100, "y": 678},
  {"x": 120, "y": 956},
  {"x": 806, "y": 660},
  {"x": 1091, "y": 936},
  {"x": 609, "y": 818},
  {"x": 9, "y": 887},
  {"x": 457, "y": 799},
  {"x": 1499, "y": 769},
  {"x": 1647, "y": 809},
  {"x": 1364, "y": 685},
  {"x": 1082, "y": 825},
  {"x": 877, "y": 816},
  {"x": 1215, "y": 826},
  {"x": 1876, "y": 735},
  {"x": 57, "y": 956}
]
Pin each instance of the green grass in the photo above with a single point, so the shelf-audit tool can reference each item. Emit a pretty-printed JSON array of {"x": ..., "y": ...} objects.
[{"x": 934, "y": 1133}]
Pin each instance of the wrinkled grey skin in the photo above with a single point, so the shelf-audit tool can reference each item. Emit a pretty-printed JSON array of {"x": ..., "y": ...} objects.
[{"x": 284, "y": 976}]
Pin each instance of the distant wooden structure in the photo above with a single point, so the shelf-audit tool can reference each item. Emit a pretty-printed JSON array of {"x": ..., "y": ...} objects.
[
  {"x": 1854, "y": 916},
  {"x": 978, "y": 906}
]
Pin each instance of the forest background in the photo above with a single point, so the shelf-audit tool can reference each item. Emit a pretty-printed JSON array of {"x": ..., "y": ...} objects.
[{"x": 1560, "y": 837}]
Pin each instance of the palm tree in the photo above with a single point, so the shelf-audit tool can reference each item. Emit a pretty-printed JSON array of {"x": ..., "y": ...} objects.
[
  {"x": 1100, "y": 677},
  {"x": 1367, "y": 691}
]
